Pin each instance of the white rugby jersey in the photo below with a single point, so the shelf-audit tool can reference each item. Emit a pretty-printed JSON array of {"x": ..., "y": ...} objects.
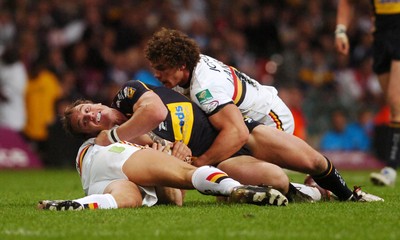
[{"x": 214, "y": 84}]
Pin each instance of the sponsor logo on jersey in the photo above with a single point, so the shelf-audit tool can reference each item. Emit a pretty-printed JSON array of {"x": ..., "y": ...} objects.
[
  {"x": 129, "y": 91},
  {"x": 182, "y": 120},
  {"x": 204, "y": 96},
  {"x": 116, "y": 149}
]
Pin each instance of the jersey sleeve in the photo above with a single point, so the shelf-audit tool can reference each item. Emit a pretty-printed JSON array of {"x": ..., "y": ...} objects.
[
  {"x": 128, "y": 95},
  {"x": 210, "y": 93}
]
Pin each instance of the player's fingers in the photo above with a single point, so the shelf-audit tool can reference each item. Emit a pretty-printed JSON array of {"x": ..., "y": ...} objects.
[
  {"x": 181, "y": 151},
  {"x": 167, "y": 148},
  {"x": 155, "y": 146}
]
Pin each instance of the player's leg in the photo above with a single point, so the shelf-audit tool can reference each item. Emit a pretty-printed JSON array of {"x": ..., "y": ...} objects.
[
  {"x": 290, "y": 152},
  {"x": 149, "y": 167},
  {"x": 390, "y": 84},
  {"x": 117, "y": 194},
  {"x": 167, "y": 195},
  {"x": 249, "y": 170}
]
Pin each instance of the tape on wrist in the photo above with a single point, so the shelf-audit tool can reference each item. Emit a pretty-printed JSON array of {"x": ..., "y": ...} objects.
[
  {"x": 113, "y": 136},
  {"x": 340, "y": 30}
]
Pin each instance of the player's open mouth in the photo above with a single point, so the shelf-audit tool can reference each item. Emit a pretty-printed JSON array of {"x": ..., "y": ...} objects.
[{"x": 98, "y": 117}]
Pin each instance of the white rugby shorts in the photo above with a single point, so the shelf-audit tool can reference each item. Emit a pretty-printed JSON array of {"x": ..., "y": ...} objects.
[{"x": 103, "y": 165}]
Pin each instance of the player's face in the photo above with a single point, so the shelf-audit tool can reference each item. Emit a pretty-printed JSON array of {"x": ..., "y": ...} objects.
[
  {"x": 91, "y": 118},
  {"x": 170, "y": 77}
]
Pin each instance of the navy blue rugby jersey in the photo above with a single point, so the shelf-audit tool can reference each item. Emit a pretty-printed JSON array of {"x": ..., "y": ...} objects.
[{"x": 185, "y": 122}]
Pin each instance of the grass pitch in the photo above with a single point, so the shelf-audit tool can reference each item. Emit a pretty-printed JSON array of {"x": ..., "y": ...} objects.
[{"x": 200, "y": 217}]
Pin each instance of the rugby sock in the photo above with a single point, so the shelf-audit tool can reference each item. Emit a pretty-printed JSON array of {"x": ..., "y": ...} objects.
[
  {"x": 212, "y": 181},
  {"x": 101, "y": 201},
  {"x": 394, "y": 147},
  {"x": 333, "y": 181}
]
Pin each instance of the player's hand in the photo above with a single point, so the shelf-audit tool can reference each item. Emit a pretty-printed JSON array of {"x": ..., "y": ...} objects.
[
  {"x": 102, "y": 138},
  {"x": 181, "y": 151},
  {"x": 161, "y": 148},
  {"x": 341, "y": 40}
]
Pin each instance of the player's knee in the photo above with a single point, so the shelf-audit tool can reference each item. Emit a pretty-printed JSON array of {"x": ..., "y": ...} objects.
[
  {"x": 279, "y": 180},
  {"x": 129, "y": 200},
  {"x": 316, "y": 164}
]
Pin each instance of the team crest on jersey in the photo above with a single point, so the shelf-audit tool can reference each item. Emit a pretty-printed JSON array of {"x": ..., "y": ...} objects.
[
  {"x": 129, "y": 91},
  {"x": 204, "y": 96}
]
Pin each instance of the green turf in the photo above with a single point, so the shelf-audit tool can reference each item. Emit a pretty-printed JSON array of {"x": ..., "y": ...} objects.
[{"x": 200, "y": 218}]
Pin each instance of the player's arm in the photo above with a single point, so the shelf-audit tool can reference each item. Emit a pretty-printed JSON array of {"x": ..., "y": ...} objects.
[
  {"x": 344, "y": 14},
  {"x": 178, "y": 149},
  {"x": 148, "y": 112},
  {"x": 233, "y": 134}
]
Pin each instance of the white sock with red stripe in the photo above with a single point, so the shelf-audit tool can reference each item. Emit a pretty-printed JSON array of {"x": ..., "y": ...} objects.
[
  {"x": 101, "y": 201},
  {"x": 212, "y": 181}
]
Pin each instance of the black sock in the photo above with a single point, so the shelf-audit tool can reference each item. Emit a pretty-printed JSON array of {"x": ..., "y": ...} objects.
[
  {"x": 333, "y": 181},
  {"x": 393, "y": 155}
]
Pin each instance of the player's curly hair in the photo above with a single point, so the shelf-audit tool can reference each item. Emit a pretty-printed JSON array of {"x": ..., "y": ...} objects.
[
  {"x": 66, "y": 119},
  {"x": 170, "y": 48}
]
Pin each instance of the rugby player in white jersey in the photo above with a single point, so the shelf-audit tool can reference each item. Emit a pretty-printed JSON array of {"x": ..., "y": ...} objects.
[
  {"x": 231, "y": 99},
  {"x": 124, "y": 175}
]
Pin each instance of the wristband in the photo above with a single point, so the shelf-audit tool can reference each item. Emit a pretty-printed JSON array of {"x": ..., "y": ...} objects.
[
  {"x": 340, "y": 30},
  {"x": 112, "y": 135}
]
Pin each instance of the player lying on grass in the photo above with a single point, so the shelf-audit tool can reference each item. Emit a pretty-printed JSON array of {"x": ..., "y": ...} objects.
[
  {"x": 228, "y": 95},
  {"x": 124, "y": 175},
  {"x": 138, "y": 108},
  {"x": 185, "y": 123}
]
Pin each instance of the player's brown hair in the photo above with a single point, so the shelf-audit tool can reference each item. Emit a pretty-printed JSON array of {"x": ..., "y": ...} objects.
[
  {"x": 170, "y": 48},
  {"x": 66, "y": 119}
]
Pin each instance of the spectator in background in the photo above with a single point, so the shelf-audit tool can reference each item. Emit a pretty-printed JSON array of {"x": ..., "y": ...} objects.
[
  {"x": 7, "y": 28},
  {"x": 43, "y": 91},
  {"x": 345, "y": 136},
  {"x": 84, "y": 37},
  {"x": 357, "y": 86},
  {"x": 13, "y": 81}
]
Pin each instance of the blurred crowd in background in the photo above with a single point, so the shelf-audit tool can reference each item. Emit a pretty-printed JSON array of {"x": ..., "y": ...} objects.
[{"x": 54, "y": 52}]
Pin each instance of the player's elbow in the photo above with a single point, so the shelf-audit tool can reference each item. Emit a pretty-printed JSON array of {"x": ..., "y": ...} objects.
[
  {"x": 159, "y": 113},
  {"x": 242, "y": 136}
]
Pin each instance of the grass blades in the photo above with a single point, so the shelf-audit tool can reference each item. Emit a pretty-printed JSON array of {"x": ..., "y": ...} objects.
[{"x": 200, "y": 217}]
